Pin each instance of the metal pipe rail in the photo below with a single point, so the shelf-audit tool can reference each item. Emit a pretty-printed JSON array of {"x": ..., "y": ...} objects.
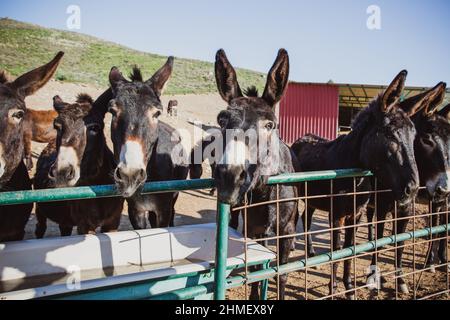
[{"x": 107, "y": 191}]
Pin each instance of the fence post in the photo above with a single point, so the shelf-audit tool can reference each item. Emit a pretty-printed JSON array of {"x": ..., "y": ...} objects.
[{"x": 223, "y": 215}]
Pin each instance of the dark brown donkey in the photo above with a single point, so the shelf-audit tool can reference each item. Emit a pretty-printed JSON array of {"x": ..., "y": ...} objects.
[
  {"x": 13, "y": 173},
  {"x": 38, "y": 127},
  {"x": 381, "y": 140},
  {"x": 237, "y": 174},
  {"x": 145, "y": 149},
  {"x": 432, "y": 152},
  {"x": 78, "y": 157}
]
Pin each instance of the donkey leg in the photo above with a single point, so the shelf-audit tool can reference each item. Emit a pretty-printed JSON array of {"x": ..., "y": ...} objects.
[
  {"x": 442, "y": 246},
  {"x": 401, "y": 227},
  {"x": 372, "y": 277},
  {"x": 349, "y": 242},
  {"x": 433, "y": 246},
  {"x": 164, "y": 216},
  {"x": 370, "y": 215},
  {"x": 307, "y": 222},
  {"x": 337, "y": 245},
  {"x": 65, "y": 231},
  {"x": 41, "y": 225},
  {"x": 285, "y": 250},
  {"x": 234, "y": 221},
  {"x": 85, "y": 229},
  {"x": 138, "y": 219},
  {"x": 112, "y": 224},
  {"x": 254, "y": 288}
]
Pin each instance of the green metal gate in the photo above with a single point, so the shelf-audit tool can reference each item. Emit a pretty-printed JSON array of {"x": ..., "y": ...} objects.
[{"x": 221, "y": 283}]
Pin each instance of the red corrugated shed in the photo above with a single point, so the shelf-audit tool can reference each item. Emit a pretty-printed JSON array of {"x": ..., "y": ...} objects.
[{"x": 309, "y": 108}]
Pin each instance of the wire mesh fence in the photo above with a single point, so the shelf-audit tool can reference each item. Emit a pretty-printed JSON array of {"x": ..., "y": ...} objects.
[{"x": 377, "y": 259}]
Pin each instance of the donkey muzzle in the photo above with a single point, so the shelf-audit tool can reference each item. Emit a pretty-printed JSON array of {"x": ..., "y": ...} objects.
[{"x": 129, "y": 180}]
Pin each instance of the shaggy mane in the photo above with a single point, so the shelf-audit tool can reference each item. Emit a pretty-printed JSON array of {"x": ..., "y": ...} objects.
[
  {"x": 251, "y": 92},
  {"x": 136, "y": 74},
  {"x": 4, "y": 77},
  {"x": 84, "y": 98}
]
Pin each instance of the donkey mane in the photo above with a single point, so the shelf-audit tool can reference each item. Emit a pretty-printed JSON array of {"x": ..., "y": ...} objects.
[
  {"x": 84, "y": 98},
  {"x": 4, "y": 77},
  {"x": 251, "y": 92},
  {"x": 369, "y": 113},
  {"x": 136, "y": 74}
]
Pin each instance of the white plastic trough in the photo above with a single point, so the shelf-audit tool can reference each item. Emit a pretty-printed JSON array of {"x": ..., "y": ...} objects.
[{"x": 42, "y": 268}]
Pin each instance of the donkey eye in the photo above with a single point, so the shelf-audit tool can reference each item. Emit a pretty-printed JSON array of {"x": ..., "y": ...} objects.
[
  {"x": 156, "y": 114},
  {"x": 270, "y": 126},
  {"x": 113, "y": 110},
  {"x": 428, "y": 139},
  {"x": 18, "y": 115}
]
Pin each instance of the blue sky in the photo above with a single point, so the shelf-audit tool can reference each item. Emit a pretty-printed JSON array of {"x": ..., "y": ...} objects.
[{"x": 326, "y": 39}]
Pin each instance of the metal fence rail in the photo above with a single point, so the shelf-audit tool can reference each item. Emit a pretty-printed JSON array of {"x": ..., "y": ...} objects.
[{"x": 221, "y": 283}]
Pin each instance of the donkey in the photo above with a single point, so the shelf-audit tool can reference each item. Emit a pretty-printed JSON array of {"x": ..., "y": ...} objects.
[
  {"x": 145, "y": 149},
  {"x": 78, "y": 157},
  {"x": 13, "y": 173},
  {"x": 236, "y": 177},
  {"x": 381, "y": 140},
  {"x": 432, "y": 152},
  {"x": 172, "y": 108},
  {"x": 195, "y": 168},
  {"x": 38, "y": 127}
]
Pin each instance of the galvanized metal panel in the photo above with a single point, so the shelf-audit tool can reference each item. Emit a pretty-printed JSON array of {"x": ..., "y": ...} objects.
[{"x": 309, "y": 108}]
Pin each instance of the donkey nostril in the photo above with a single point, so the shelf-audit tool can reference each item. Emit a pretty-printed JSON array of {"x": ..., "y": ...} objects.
[
  {"x": 51, "y": 173},
  {"x": 142, "y": 174},
  {"x": 70, "y": 173},
  {"x": 441, "y": 190},
  {"x": 118, "y": 174}
]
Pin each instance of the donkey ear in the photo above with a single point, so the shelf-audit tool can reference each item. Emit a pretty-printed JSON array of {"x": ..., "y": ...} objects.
[
  {"x": 437, "y": 98},
  {"x": 445, "y": 112},
  {"x": 277, "y": 79},
  {"x": 426, "y": 101},
  {"x": 226, "y": 78},
  {"x": 4, "y": 77},
  {"x": 394, "y": 91},
  {"x": 32, "y": 81},
  {"x": 160, "y": 78},
  {"x": 58, "y": 103},
  {"x": 115, "y": 78}
]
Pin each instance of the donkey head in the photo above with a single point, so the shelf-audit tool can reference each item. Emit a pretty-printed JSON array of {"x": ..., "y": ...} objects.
[
  {"x": 387, "y": 145},
  {"x": 134, "y": 129},
  {"x": 12, "y": 111},
  {"x": 249, "y": 129},
  {"x": 432, "y": 144},
  {"x": 79, "y": 141}
]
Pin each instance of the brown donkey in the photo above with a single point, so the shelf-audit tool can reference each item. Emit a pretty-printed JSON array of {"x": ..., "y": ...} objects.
[
  {"x": 145, "y": 148},
  {"x": 38, "y": 127},
  {"x": 13, "y": 174},
  {"x": 78, "y": 157}
]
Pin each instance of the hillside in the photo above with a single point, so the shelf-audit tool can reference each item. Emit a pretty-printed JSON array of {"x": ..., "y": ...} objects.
[{"x": 88, "y": 59}]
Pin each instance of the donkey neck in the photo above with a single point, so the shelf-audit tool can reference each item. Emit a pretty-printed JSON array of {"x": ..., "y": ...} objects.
[
  {"x": 346, "y": 149},
  {"x": 287, "y": 164},
  {"x": 102, "y": 167}
]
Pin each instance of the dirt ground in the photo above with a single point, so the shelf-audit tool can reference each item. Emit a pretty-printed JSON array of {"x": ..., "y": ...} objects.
[{"x": 195, "y": 207}]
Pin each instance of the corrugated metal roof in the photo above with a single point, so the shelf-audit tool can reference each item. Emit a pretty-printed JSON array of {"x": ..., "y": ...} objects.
[{"x": 359, "y": 95}]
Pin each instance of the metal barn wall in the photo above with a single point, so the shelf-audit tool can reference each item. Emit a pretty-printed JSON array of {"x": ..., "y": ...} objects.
[{"x": 309, "y": 108}]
